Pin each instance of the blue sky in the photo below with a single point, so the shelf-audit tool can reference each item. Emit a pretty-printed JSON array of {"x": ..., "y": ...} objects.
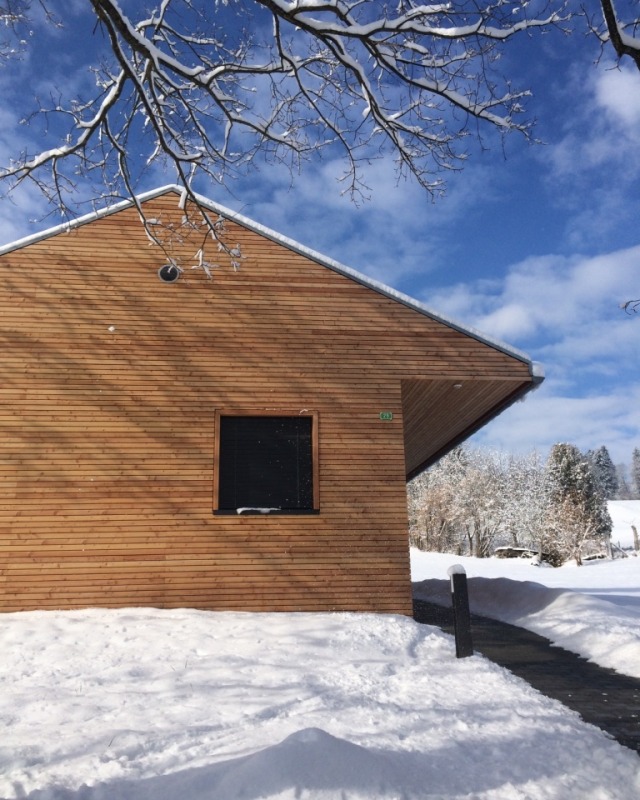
[{"x": 535, "y": 244}]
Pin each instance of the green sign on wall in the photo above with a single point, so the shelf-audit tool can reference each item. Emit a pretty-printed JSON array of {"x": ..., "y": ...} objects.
[{"x": 386, "y": 415}]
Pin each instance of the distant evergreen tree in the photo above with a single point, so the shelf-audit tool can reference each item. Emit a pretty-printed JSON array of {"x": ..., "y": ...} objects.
[
  {"x": 624, "y": 490},
  {"x": 578, "y": 512},
  {"x": 567, "y": 471},
  {"x": 604, "y": 472},
  {"x": 635, "y": 472}
]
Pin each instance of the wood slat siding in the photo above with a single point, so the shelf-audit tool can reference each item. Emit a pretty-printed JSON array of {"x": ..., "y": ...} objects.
[{"x": 106, "y": 465}]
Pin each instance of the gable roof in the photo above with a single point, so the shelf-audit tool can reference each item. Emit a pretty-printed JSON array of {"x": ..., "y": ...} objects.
[
  {"x": 290, "y": 244},
  {"x": 437, "y": 417}
]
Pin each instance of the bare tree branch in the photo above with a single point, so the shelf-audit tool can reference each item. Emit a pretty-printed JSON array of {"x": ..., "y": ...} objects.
[
  {"x": 13, "y": 16},
  {"x": 190, "y": 86},
  {"x": 612, "y": 29}
]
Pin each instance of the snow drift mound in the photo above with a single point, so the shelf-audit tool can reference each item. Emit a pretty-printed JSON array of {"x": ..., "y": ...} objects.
[{"x": 308, "y": 763}]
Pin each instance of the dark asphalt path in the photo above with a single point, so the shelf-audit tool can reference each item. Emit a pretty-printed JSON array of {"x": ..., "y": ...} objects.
[{"x": 601, "y": 696}]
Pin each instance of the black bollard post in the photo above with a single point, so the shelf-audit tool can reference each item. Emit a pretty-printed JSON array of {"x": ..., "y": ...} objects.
[{"x": 461, "y": 615}]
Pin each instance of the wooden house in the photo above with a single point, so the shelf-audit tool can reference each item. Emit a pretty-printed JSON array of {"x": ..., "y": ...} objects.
[{"x": 238, "y": 438}]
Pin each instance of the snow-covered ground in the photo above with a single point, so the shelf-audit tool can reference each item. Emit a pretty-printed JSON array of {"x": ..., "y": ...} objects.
[
  {"x": 624, "y": 514},
  {"x": 141, "y": 704},
  {"x": 592, "y": 610}
]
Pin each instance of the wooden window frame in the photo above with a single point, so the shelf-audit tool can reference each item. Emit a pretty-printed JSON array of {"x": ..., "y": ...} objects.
[{"x": 315, "y": 458}]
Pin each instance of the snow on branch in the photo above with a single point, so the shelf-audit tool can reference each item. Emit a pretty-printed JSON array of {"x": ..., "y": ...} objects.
[
  {"x": 621, "y": 34},
  {"x": 206, "y": 88},
  {"x": 14, "y": 29}
]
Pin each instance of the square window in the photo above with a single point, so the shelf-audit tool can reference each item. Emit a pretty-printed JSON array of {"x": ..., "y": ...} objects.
[{"x": 265, "y": 463}]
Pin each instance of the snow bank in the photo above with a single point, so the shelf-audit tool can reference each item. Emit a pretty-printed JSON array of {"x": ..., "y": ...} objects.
[
  {"x": 142, "y": 704},
  {"x": 624, "y": 514},
  {"x": 593, "y": 610},
  {"x": 137, "y": 704}
]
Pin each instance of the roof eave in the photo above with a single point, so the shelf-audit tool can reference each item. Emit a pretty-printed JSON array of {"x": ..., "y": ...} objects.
[{"x": 537, "y": 377}]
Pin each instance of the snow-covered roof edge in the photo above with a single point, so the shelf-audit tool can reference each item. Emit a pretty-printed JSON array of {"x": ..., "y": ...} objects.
[{"x": 537, "y": 370}]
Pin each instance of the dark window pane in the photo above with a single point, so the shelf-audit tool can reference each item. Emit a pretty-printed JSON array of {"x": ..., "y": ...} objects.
[{"x": 265, "y": 462}]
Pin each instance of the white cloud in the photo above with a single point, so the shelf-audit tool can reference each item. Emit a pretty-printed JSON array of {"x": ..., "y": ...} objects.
[
  {"x": 550, "y": 295},
  {"x": 546, "y": 417},
  {"x": 617, "y": 94},
  {"x": 396, "y": 233},
  {"x": 591, "y": 165},
  {"x": 565, "y": 312},
  {"x": 604, "y": 128},
  {"x": 511, "y": 321},
  {"x": 598, "y": 345}
]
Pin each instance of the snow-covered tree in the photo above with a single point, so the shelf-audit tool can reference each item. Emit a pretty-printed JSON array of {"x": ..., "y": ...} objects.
[
  {"x": 433, "y": 505},
  {"x": 460, "y": 504},
  {"x": 635, "y": 471},
  {"x": 431, "y": 498},
  {"x": 480, "y": 498},
  {"x": 473, "y": 500},
  {"x": 578, "y": 512},
  {"x": 210, "y": 88},
  {"x": 527, "y": 500},
  {"x": 604, "y": 472},
  {"x": 570, "y": 527}
]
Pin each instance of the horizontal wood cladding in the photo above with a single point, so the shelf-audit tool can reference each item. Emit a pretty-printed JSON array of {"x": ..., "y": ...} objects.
[{"x": 110, "y": 384}]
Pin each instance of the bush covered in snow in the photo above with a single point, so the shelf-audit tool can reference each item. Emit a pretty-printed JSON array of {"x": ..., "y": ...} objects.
[{"x": 474, "y": 500}]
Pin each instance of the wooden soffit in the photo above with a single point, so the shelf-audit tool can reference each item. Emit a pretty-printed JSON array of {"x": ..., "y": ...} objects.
[{"x": 441, "y": 413}]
